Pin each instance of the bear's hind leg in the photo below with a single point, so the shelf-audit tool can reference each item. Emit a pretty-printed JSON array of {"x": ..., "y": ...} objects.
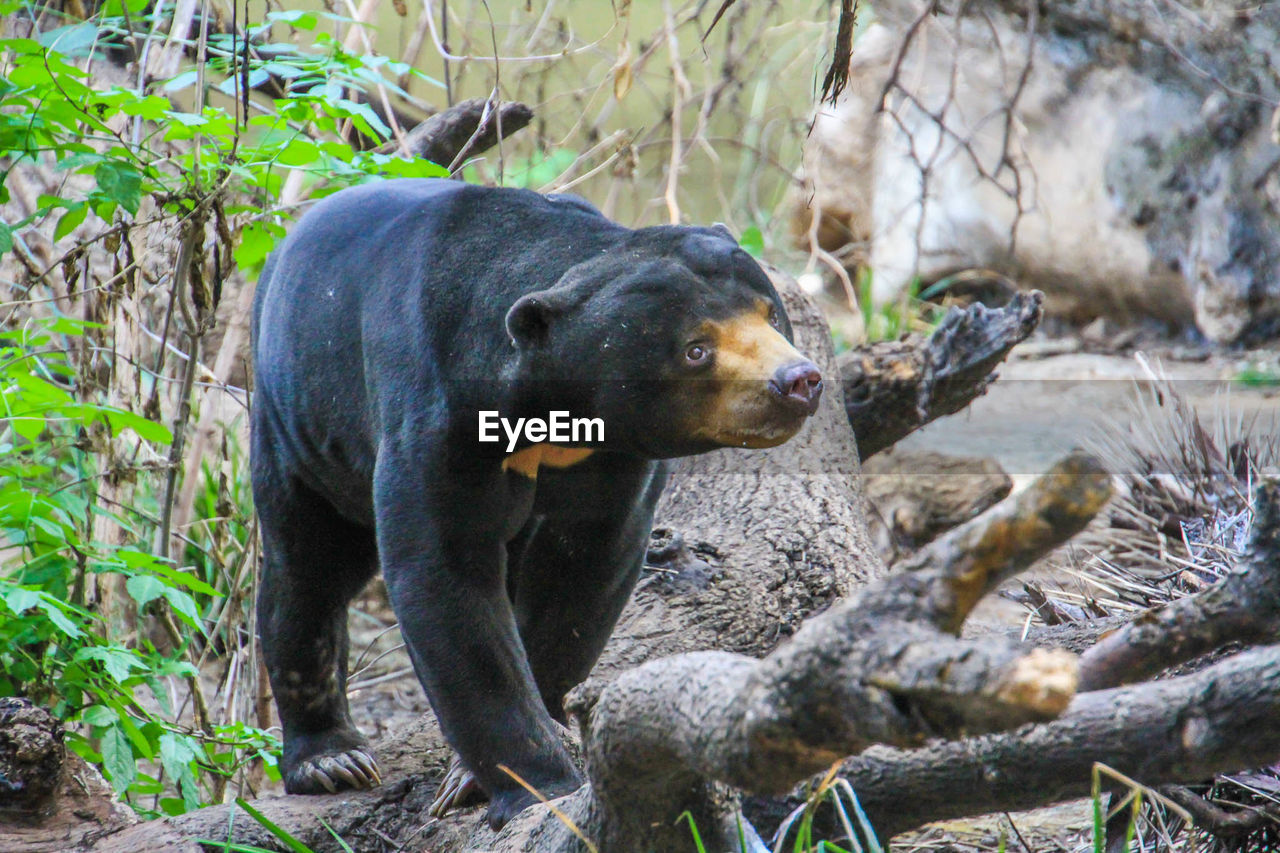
[{"x": 315, "y": 562}]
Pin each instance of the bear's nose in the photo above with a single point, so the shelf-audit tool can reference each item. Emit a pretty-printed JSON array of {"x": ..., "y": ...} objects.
[{"x": 799, "y": 385}]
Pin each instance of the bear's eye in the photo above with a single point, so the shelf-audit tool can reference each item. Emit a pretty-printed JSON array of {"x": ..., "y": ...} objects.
[{"x": 697, "y": 354}]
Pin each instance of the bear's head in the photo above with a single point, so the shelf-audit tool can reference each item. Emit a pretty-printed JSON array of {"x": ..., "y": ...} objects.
[{"x": 676, "y": 339}]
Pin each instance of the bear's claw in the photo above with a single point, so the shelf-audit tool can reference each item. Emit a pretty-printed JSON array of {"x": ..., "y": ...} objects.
[
  {"x": 354, "y": 768},
  {"x": 459, "y": 788}
]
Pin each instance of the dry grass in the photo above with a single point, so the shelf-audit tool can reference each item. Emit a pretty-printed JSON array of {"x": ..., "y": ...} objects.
[{"x": 1179, "y": 522}]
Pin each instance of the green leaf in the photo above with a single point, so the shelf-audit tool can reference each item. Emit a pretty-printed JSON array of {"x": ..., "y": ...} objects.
[
  {"x": 299, "y": 152},
  {"x": 69, "y": 39},
  {"x": 120, "y": 182},
  {"x": 185, "y": 605},
  {"x": 105, "y": 208},
  {"x": 752, "y": 241},
  {"x": 159, "y": 694},
  {"x": 181, "y": 81},
  {"x": 70, "y": 220},
  {"x": 257, "y": 239},
  {"x": 21, "y": 47},
  {"x": 145, "y": 589},
  {"x": 70, "y": 325},
  {"x": 294, "y": 18},
  {"x": 346, "y": 848},
  {"x": 374, "y": 125},
  {"x": 152, "y": 107},
  {"x": 77, "y": 159},
  {"x": 181, "y": 668},
  {"x": 187, "y": 119},
  {"x": 20, "y": 599},
  {"x": 118, "y": 662},
  {"x": 6, "y": 238},
  {"x": 141, "y": 560},
  {"x": 257, "y": 77},
  {"x": 53, "y": 609},
  {"x": 176, "y": 754},
  {"x": 397, "y": 167},
  {"x": 117, "y": 760},
  {"x": 141, "y": 744},
  {"x": 116, "y": 8},
  {"x": 289, "y": 841},
  {"x": 146, "y": 429},
  {"x": 284, "y": 70},
  {"x": 98, "y": 715}
]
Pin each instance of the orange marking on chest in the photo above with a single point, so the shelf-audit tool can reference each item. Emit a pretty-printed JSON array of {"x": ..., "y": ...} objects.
[{"x": 527, "y": 462}]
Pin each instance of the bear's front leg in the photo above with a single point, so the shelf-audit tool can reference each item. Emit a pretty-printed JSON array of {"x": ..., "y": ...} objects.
[{"x": 441, "y": 544}]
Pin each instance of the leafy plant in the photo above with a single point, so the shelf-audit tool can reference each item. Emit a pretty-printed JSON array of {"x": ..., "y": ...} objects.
[
  {"x": 892, "y": 320},
  {"x": 96, "y": 621}
]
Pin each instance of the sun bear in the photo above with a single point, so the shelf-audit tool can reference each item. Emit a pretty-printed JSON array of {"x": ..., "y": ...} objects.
[{"x": 393, "y": 320}]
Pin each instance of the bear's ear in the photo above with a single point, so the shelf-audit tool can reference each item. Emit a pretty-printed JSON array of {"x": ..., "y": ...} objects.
[
  {"x": 529, "y": 320},
  {"x": 721, "y": 228}
]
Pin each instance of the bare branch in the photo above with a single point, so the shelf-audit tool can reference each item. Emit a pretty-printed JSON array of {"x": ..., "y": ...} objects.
[
  {"x": 893, "y": 388},
  {"x": 463, "y": 130}
]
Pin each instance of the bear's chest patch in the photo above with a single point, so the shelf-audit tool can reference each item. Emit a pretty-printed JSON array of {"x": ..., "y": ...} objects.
[{"x": 527, "y": 462}]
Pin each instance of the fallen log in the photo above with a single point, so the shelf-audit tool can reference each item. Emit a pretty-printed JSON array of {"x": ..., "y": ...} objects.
[
  {"x": 51, "y": 801},
  {"x": 885, "y": 666}
]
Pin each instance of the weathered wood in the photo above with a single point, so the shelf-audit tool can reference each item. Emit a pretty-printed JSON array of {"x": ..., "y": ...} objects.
[
  {"x": 1178, "y": 730},
  {"x": 51, "y": 801},
  {"x": 31, "y": 757},
  {"x": 883, "y": 666},
  {"x": 915, "y": 496},
  {"x": 893, "y": 388},
  {"x": 1185, "y": 729},
  {"x": 463, "y": 130}
]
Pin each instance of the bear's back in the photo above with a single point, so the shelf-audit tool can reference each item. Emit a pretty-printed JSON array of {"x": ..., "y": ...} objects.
[{"x": 395, "y": 289}]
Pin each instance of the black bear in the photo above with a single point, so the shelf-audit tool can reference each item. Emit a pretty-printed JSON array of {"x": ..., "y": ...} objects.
[{"x": 398, "y": 324}]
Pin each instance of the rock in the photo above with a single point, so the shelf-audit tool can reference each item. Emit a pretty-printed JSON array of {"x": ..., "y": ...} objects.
[{"x": 1140, "y": 169}]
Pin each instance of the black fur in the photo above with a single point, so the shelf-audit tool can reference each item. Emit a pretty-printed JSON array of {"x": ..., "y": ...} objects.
[{"x": 387, "y": 320}]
